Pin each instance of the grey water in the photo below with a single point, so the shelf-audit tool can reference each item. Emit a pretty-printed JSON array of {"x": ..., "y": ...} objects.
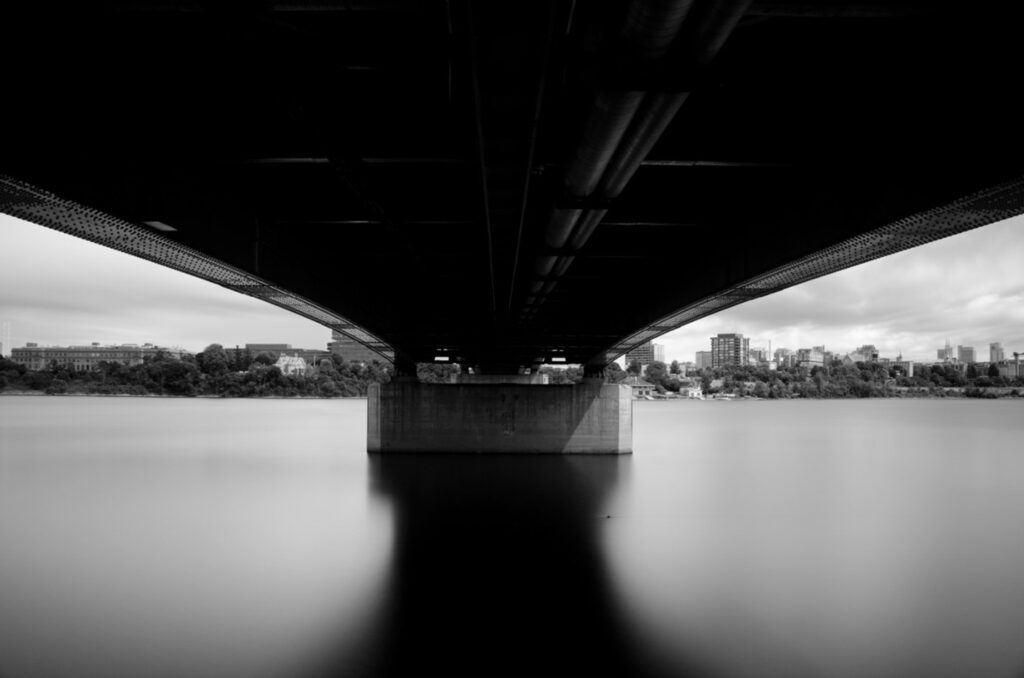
[{"x": 180, "y": 537}]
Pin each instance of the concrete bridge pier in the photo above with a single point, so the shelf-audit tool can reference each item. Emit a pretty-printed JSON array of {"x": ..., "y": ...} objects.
[{"x": 507, "y": 417}]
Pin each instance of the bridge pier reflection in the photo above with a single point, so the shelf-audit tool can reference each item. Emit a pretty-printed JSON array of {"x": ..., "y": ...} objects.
[
  {"x": 497, "y": 569},
  {"x": 587, "y": 418}
]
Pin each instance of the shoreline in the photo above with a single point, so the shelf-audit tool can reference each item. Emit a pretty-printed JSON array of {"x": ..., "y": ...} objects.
[
  {"x": 164, "y": 395},
  {"x": 915, "y": 396}
]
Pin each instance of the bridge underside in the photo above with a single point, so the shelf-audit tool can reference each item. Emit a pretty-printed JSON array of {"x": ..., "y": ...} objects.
[{"x": 507, "y": 182}]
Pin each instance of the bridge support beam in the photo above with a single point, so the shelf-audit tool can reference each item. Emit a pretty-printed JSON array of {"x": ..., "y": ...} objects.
[{"x": 513, "y": 418}]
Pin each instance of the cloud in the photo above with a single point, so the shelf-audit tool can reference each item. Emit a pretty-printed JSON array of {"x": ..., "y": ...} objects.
[
  {"x": 57, "y": 289},
  {"x": 968, "y": 288}
]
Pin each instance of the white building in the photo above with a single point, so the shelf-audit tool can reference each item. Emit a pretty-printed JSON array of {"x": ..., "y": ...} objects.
[
  {"x": 691, "y": 389},
  {"x": 290, "y": 364}
]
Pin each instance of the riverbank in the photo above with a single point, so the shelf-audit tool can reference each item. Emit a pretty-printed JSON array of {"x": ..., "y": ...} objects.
[
  {"x": 903, "y": 394},
  {"x": 165, "y": 395}
]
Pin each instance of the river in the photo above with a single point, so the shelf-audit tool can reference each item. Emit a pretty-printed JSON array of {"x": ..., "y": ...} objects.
[{"x": 195, "y": 537}]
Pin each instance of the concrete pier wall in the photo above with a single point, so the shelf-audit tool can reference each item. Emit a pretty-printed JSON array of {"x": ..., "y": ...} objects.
[{"x": 587, "y": 418}]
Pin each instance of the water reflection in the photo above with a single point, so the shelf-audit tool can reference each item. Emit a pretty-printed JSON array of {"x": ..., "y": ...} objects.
[
  {"x": 872, "y": 539},
  {"x": 497, "y": 569},
  {"x": 148, "y": 538}
]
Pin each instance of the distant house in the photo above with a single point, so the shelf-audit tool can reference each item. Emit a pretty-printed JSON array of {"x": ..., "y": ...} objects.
[
  {"x": 641, "y": 387},
  {"x": 291, "y": 364},
  {"x": 691, "y": 388}
]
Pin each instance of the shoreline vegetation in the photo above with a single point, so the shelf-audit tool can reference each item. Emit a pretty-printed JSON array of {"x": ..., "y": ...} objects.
[
  {"x": 213, "y": 372},
  {"x": 837, "y": 380},
  {"x": 219, "y": 373}
]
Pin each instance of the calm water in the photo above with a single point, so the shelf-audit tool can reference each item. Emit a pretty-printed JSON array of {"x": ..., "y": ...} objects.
[{"x": 171, "y": 537}]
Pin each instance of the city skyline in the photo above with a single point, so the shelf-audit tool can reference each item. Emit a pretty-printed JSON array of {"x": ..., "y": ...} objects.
[
  {"x": 949, "y": 353},
  {"x": 969, "y": 289}
]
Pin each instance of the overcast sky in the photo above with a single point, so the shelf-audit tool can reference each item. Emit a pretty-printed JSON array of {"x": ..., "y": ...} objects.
[{"x": 56, "y": 289}]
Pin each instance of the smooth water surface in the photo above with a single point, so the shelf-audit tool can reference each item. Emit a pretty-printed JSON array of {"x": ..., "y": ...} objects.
[{"x": 180, "y": 537}]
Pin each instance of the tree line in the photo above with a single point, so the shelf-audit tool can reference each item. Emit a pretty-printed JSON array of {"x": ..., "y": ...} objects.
[
  {"x": 217, "y": 371},
  {"x": 214, "y": 371},
  {"x": 836, "y": 380}
]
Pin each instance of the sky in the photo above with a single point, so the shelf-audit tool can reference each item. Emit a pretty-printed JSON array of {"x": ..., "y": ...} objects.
[{"x": 56, "y": 289}]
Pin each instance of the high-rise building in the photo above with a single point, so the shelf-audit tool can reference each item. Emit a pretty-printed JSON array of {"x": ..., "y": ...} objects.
[
  {"x": 645, "y": 354},
  {"x": 965, "y": 354},
  {"x": 758, "y": 355},
  {"x": 729, "y": 349},
  {"x": 784, "y": 357},
  {"x": 995, "y": 352},
  {"x": 703, "y": 359},
  {"x": 945, "y": 354}
]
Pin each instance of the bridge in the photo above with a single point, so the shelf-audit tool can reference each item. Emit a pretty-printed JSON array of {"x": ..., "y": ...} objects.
[{"x": 507, "y": 183}]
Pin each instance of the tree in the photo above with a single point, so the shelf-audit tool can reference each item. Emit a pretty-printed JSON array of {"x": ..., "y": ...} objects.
[
  {"x": 993, "y": 370},
  {"x": 328, "y": 388},
  {"x": 378, "y": 373},
  {"x": 634, "y": 368},
  {"x": 238, "y": 360},
  {"x": 177, "y": 377},
  {"x": 267, "y": 358},
  {"x": 213, "y": 360},
  {"x": 326, "y": 367},
  {"x": 674, "y": 367},
  {"x": 556, "y": 375},
  {"x": 11, "y": 368},
  {"x": 437, "y": 373},
  {"x": 57, "y": 386},
  {"x": 657, "y": 373},
  {"x": 614, "y": 374},
  {"x": 38, "y": 381}
]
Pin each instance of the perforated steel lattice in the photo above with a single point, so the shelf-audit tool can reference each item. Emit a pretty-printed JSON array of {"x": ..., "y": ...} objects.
[
  {"x": 979, "y": 209},
  {"x": 26, "y": 202}
]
